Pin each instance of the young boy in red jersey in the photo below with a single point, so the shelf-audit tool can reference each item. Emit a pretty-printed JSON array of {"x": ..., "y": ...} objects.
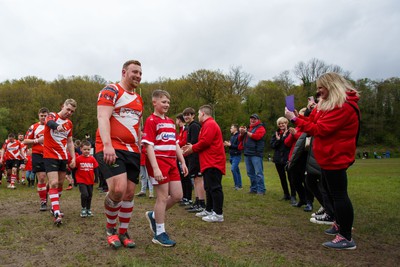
[
  {"x": 162, "y": 149},
  {"x": 86, "y": 174},
  {"x": 30, "y": 175}
]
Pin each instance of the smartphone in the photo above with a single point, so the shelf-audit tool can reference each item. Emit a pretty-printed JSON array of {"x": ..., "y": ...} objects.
[
  {"x": 290, "y": 102},
  {"x": 311, "y": 99}
]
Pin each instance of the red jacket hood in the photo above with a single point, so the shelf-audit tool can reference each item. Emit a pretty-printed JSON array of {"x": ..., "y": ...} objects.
[{"x": 352, "y": 96}]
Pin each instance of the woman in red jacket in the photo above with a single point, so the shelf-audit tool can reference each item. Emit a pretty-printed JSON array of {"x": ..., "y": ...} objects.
[{"x": 334, "y": 125}]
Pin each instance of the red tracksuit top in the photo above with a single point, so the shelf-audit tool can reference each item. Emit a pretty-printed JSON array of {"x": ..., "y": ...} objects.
[{"x": 210, "y": 146}]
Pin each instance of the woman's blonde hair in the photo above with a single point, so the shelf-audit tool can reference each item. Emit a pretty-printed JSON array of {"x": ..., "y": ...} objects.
[
  {"x": 337, "y": 87},
  {"x": 281, "y": 120}
]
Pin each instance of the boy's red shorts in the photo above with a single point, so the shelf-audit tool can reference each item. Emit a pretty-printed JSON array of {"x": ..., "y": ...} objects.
[{"x": 168, "y": 167}]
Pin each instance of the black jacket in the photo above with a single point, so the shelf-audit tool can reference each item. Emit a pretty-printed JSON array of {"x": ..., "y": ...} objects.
[{"x": 281, "y": 152}]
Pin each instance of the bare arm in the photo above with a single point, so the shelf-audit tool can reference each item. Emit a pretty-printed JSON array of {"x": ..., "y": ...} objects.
[
  {"x": 103, "y": 118},
  {"x": 71, "y": 150}
]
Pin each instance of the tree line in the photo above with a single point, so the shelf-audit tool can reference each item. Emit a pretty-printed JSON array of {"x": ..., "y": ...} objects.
[{"x": 230, "y": 94}]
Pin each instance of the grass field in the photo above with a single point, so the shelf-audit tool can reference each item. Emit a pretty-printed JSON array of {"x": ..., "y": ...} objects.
[{"x": 258, "y": 230}]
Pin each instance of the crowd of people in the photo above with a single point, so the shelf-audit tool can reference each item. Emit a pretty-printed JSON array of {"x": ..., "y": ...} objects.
[{"x": 310, "y": 158}]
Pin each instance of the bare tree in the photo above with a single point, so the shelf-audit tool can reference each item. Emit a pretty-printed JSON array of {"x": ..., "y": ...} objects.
[
  {"x": 310, "y": 71},
  {"x": 239, "y": 81},
  {"x": 284, "y": 81}
]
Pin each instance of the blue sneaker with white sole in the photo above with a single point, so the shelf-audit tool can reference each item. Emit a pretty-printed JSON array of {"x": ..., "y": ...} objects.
[
  {"x": 151, "y": 220},
  {"x": 163, "y": 240},
  {"x": 340, "y": 243}
]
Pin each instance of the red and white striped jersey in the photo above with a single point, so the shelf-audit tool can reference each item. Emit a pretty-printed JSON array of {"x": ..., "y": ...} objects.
[
  {"x": 55, "y": 142},
  {"x": 22, "y": 155},
  {"x": 12, "y": 150},
  {"x": 125, "y": 118},
  {"x": 161, "y": 134},
  {"x": 36, "y": 131}
]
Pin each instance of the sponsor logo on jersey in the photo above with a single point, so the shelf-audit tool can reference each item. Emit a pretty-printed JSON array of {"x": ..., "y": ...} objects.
[{"x": 167, "y": 136}]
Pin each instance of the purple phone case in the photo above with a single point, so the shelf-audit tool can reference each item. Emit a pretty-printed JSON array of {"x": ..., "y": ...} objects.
[{"x": 290, "y": 102}]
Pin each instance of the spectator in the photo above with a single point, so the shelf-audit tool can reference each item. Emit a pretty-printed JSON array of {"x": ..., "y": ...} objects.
[
  {"x": 193, "y": 161},
  {"x": 281, "y": 154},
  {"x": 145, "y": 180},
  {"x": 187, "y": 186},
  {"x": 86, "y": 175},
  {"x": 335, "y": 127},
  {"x": 213, "y": 163},
  {"x": 253, "y": 144},
  {"x": 235, "y": 155}
]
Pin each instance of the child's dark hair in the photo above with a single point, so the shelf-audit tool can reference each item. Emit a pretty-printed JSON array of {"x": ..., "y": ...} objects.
[
  {"x": 85, "y": 143},
  {"x": 189, "y": 111},
  {"x": 180, "y": 117}
]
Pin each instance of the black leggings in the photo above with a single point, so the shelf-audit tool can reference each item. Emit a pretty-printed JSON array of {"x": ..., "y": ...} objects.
[
  {"x": 313, "y": 184},
  {"x": 335, "y": 184},
  {"x": 86, "y": 195},
  {"x": 280, "y": 168}
]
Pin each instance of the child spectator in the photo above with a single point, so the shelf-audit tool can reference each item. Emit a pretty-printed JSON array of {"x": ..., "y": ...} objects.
[
  {"x": 145, "y": 181},
  {"x": 86, "y": 174},
  {"x": 30, "y": 175}
]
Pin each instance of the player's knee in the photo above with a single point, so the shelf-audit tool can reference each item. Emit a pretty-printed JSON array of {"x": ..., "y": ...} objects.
[
  {"x": 116, "y": 194},
  {"x": 129, "y": 196},
  {"x": 177, "y": 196}
]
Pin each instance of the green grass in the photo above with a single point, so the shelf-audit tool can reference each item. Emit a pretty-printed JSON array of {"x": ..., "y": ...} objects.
[{"x": 258, "y": 230}]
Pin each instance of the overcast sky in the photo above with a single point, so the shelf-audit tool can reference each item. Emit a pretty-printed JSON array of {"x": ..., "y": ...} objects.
[{"x": 172, "y": 38}]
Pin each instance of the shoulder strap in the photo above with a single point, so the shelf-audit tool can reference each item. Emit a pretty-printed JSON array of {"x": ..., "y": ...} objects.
[
  {"x": 255, "y": 128},
  {"x": 359, "y": 120}
]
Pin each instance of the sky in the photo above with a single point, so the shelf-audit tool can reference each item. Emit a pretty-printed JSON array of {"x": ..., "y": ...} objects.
[{"x": 173, "y": 38}]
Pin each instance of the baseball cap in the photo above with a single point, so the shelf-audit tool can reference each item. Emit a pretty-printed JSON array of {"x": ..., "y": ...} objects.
[{"x": 255, "y": 116}]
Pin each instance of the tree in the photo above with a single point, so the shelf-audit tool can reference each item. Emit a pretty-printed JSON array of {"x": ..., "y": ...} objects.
[
  {"x": 285, "y": 82},
  {"x": 5, "y": 121},
  {"x": 310, "y": 71},
  {"x": 208, "y": 85},
  {"x": 238, "y": 81}
]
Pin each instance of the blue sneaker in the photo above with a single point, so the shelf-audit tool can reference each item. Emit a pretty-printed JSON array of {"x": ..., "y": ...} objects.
[
  {"x": 163, "y": 240},
  {"x": 340, "y": 243},
  {"x": 152, "y": 222},
  {"x": 334, "y": 230}
]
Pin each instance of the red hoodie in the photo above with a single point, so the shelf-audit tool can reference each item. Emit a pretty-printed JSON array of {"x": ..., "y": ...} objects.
[{"x": 334, "y": 134}]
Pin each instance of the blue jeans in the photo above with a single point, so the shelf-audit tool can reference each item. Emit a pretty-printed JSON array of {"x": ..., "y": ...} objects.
[
  {"x": 237, "y": 177},
  {"x": 255, "y": 171}
]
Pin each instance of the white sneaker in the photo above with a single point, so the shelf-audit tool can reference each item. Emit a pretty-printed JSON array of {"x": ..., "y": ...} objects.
[
  {"x": 319, "y": 213},
  {"x": 213, "y": 218},
  {"x": 203, "y": 213},
  {"x": 325, "y": 219}
]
